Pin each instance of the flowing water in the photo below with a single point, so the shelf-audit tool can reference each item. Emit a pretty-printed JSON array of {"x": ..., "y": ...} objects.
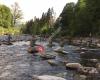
[{"x": 17, "y": 64}]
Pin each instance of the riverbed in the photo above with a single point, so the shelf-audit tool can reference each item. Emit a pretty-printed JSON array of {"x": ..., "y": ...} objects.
[{"x": 17, "y": 64}]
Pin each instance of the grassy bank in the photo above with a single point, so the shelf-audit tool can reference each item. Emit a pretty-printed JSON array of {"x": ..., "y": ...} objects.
[{"x": 11, "y": 30}]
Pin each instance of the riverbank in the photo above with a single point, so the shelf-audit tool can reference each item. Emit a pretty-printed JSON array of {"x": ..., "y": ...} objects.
[
  {"x": 93, "y": 42},
  {"x": 80, "y": 41}
]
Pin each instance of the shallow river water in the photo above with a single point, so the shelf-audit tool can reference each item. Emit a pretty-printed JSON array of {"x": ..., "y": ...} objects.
[{"x": 17, "y": 64}]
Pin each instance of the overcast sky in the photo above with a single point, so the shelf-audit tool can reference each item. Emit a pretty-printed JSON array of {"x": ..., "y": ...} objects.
[{"x": 31, "y": 8}]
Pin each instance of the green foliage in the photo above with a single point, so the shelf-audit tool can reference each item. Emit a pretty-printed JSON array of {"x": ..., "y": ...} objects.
[
  {"x": 67, "y": 17},
  {"x": 5, "y": 16},
  {"x": 43, "y": 25},
  {"x": 81, "y": 19},
  {"x": 11, "y": 30}
]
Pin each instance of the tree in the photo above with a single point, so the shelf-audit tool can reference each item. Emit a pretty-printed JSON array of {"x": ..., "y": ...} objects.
[
  {"x": 82, "y": 22},
  {"x": 44, "y": 25},
  {"x": 81, "y": 19},
  {"x": 17, "y": 13},
  {"x": 5, "y": 16},
  {"x": 87, "y": 17},
  {"x": 28, "y": 27},
  {"x": 67, "y": 17},
  {"x": 93, "y": 9}
]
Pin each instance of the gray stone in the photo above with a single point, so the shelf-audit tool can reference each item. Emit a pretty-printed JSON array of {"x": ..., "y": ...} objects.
[
  {"x": 73, "y": 66},
  {"x": 47, "y": 77}
]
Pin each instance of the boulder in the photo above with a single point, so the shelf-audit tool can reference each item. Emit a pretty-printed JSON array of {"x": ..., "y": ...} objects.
[
  {"x": 47, "y": 77},
  {"x": 73, "y": 66}
]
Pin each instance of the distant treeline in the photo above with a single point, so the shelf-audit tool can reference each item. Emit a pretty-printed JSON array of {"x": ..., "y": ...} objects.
[
  {"x": 80, "y": 19},
  {"x": 43, "y": 25}
]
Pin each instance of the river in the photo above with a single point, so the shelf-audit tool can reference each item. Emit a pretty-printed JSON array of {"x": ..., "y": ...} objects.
[{"x": 17, "y": 64}]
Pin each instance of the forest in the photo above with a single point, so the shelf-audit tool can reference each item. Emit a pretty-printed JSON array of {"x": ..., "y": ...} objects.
[{"x": 76, "y": 20}]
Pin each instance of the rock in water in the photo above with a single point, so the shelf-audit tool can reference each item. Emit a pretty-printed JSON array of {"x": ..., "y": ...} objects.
[
  {"x": 32, "y": 50},
  {"x": 47, "y": 56},
  {"x": 47, "y": 77},
  {"x": 6, "y": 43},
  {"x": 88, "y": 70},
  {"x": 73, "y": 66},
  {"x": 53, "y": 62},
  {"x": 56, "y": 62},
  {"x": 61, "y": 51}
]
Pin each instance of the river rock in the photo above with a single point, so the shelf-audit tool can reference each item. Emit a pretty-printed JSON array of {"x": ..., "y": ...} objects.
[
  {"x": 88, "y": 70},
  {"x": 47, "y": 56},
  {"x": 80, "y": 50},
  {"x": 32, "y": 50},
  {"x": 94, "y": 60},
  {"x": 47, "y": 77},
  {"x": 98, "y": 66},
  {"x": 53, "y": 62},
  {"x": 61, "y": 51},
  {"x": 83, "y": 77},
  {"x": 73, "y": 66},
  {"x": 98, "y": 44},
  {"x": 7, "y": 43}
]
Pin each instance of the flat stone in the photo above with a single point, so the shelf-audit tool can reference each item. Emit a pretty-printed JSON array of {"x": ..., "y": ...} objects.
[{"x": 47, "y": 77}]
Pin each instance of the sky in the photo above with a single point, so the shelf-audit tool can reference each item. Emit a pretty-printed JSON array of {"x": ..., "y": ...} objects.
[{"x": 31, "y": 8}]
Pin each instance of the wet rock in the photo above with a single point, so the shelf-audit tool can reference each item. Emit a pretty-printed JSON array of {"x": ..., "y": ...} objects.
[
  {"x": 94, "y": 60},
  {"x": 89, "y": 62},
  {"x": 82, "y": 52},
  {"x": 73, "y": 66},
  {"x": 53, "y": 62},
  {"x": 47, "y": 56},
  {"x": 47, "y": 77},
  {"x": 88, "y": 70},
  {"x": 83, "y": 77},
  {"x": 80, "y": 77},
  {"x": 32, "y": 50},
  {"x": 98, "y": 66},
  {"x": 57, "y": 62},
  {"x": 61, "y": 51},
  {"x": 98, "y": 45},
  {"x": 64, "y": 62},
  {"x": 7, "y": 43},
  {"x": 80, "y": 49}
]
